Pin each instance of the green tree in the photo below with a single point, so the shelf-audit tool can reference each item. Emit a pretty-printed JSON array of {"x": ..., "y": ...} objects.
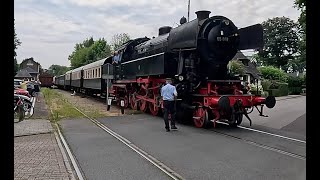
[
  {"x": 301, "y": 61},
  {"x": 16, "y": 43},
  {"x": 57, "y": 70},
  {"x": 118, "y": 39},
  {"x": 100, "y": 49},
  {"x": 281, "y": 41},
  {"x": 273, "y": 73},
  {"x": 89, "y": 51},
  {"x": 236, "y": 67}
]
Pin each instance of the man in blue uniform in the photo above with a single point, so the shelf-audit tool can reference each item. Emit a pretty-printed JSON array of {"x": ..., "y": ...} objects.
[
  {"x": 169, "y": 93},
  {"x": 116, "y": 58}
]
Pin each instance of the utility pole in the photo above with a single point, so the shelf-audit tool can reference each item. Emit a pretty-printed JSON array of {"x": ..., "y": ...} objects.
[{"x": 188, "y": 9}]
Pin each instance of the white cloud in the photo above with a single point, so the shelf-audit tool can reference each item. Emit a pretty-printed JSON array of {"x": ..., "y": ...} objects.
[{"x": 49, "y": 30}]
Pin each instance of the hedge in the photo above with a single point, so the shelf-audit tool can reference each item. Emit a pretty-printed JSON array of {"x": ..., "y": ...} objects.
[
  {"x": 266, "y": 84},
  {"x": 273, "y": 73},
  {"x": 278, "y": 89}
]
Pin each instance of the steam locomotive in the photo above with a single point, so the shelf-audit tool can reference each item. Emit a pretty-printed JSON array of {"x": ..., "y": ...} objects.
[{"x": 195, "y": 55}]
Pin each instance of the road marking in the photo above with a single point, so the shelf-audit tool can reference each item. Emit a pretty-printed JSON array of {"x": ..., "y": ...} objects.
[
  {"x": 132, "y": 146},
  {"x": 264, "y": 132},
  {"x": 73, "y": 161},
  {"x": 264, "y": 146}
]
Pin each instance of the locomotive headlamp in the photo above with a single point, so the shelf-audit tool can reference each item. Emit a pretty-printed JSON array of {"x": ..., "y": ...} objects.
[{"x": 180, "y": 78}]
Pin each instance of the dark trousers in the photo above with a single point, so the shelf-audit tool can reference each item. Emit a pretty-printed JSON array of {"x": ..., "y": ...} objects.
[{"x": 169, "y": 108}]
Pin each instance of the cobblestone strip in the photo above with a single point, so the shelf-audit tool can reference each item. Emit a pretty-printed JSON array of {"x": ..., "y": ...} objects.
[{"x": 38, "y": 157}]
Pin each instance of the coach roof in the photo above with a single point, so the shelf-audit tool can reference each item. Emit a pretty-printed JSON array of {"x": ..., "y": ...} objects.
[
  {"x": 76, "y": 69},
  {"x": 95, "y": 64}
]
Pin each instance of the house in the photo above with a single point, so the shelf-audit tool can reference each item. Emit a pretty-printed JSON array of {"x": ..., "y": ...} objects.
[
  {"x": 31, "y": 67},
  {"x": 252, "y": 74},
  {"x": 23, "y": 74}
]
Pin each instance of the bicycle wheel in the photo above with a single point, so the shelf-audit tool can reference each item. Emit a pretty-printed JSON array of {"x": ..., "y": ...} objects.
[
  {"x": 28, "y": 109},
  {"x": 19, "y": 114}
]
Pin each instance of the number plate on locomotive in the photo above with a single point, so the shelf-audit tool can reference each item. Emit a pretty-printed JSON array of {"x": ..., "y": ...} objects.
[{"x": 222, "y": 39}]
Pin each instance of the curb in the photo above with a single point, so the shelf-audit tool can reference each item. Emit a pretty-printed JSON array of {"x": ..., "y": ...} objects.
[
  {"x": 67, "y": 154},
  {"x": 290, "y": 97},
  {"x": 31, "y": 134},
  {"x": 65, "y": 158}
]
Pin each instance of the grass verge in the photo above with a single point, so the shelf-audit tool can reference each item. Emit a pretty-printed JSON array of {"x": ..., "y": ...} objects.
[{"x": 59, "y": 106}]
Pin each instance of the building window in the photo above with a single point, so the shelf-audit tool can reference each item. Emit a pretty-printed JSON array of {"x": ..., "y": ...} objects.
[{"x": 99, "y": 75}]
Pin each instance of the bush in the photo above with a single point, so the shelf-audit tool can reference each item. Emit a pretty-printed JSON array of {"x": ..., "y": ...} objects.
[
  {"x": 272, "y": 73},
  {"x": 295, "y": 81},
  {"x": 265, "y": 94},
  {"x": 236, "y": 67},
  {"x": 278, "y": 89},
  {"x": 283, "y": 89},
  {"x": 295, "y": 90},
  {"x": 266, "y": 84},
  {"x": 253, "y": 89},
  {"x": 295, "y": 84}
]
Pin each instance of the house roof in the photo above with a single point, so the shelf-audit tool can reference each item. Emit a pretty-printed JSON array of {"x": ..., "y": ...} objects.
[
  {"x": 251, "y": 68},
  {"x": 30, "y": 70},
  {"x": 31, "y": 59},
  {"x": 23, "y": 74}
]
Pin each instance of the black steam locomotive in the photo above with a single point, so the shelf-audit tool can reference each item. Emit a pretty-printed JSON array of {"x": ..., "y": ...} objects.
[{"x": 195, "y": 54}]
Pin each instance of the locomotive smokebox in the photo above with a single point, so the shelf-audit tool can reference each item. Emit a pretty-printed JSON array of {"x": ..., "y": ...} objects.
[
  {"x": 164, "y": 30},
  {"x": 202, "y": 14}
]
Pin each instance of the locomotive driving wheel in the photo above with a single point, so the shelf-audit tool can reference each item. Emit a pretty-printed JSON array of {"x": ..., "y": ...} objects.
[
  {"x": 143, "y": 105},
  {"x": 133, "y": 101},
  {"x": 201, "y": 118},
  {"x": 198, "y": 117},
  {"x": 153, "y": 107}
]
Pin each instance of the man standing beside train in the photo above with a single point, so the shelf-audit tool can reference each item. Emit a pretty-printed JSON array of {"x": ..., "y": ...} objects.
[{"x": 169, "y": 93}]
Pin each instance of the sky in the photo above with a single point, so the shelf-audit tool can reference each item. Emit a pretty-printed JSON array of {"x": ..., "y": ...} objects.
[{"x": 49, "y": 29}]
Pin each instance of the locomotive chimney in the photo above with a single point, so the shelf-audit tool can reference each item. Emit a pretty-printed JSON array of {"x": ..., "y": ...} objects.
[
  {"x": 164, "y": 30},
  {"x": 202, "y": 14}
]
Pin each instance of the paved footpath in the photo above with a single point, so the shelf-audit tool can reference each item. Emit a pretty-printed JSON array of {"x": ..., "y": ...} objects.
[{"x": 37, "y": 154}]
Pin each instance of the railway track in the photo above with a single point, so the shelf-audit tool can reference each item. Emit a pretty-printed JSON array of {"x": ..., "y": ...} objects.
[{"x": 241, "y": 134}]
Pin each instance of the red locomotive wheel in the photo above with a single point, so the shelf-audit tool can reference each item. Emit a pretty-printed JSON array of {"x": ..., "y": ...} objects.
[
  {"x": 126, "y": 102},
  {"x": 133, "y": 102},
  {"x": 143, "y": 105},
  {"x": 199, "y": 116},
  {"x": 154, "y": 109}
]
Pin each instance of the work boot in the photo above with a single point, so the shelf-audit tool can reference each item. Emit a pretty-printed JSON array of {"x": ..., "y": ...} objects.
[
  {"x": 174, "y": 127},
  {"x": 168, "y": 130}
]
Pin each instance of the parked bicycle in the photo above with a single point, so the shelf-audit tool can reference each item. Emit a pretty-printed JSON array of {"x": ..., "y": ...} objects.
[
  {"x": 22, "y": 107},
  {"x": 19, "y": 110}
]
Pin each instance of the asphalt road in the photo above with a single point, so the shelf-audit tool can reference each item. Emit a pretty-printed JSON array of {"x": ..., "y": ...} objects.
[
  {"x": 101, "y": 156},
  {"x": 221, "y": 153},
  {"x": 288, "y": 117}
]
